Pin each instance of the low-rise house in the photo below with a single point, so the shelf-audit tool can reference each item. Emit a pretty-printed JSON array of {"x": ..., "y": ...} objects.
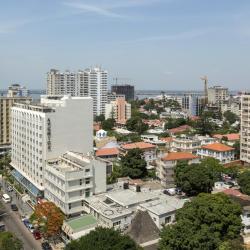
[
  {"x": 166, "y": 165},
  {"x": 229, "y": 139},
  {"x": 107, "y": 153},
  {"x": 72, "y": 178},
  {"x": 219, "y": 151},
  {"x": 181, "y": 129},
  {"x": 185, "y": 144},
  {"x": 149, "y": 150}
]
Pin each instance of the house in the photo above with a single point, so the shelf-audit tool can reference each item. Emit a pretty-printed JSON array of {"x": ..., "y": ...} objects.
[
  {"x": 149, "y": 150},
  {"x": 166, "y": 165},
  {"x": 181, "y": 129},
  {"x": 107, "y": 153},
  {"x": 230, "y": 139},
  {"x": 101, "y": 134},
  {"x": 219, "y": 151}
]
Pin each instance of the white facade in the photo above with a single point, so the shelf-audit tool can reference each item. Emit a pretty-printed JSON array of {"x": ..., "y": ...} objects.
[
  {"x": 90, "y": 82},
  {"x": 47, "y": 130},
  {"x": 245, "y": 217},
  {"x": 217, "y": 95},
  {"x": 73, "y": 177},
  {"x": 245, "y": 128}
]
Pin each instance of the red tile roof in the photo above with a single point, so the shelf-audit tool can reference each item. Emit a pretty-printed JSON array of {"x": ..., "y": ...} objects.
[
  {"x": 174, "y": 156},
  {"x": 141, "y": 145},
  {"x": 167, "y": 139},
  {"x": 230, "y": 137},
  {"x": 107, "y": 152},
  {"x": 179, "y": 129},
  {"x": 218, "y": 147}
]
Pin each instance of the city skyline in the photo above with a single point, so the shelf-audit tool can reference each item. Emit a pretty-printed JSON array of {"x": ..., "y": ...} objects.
[{"x": 157, "y": 44}]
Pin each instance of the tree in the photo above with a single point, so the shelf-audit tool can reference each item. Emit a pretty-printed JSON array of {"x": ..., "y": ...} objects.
[
  {"x": 100, "y": 118},
  {"x": 204, "y": 223},
  {"x": 197, "y": 178},
  {"x": 244, "y": 182},
  {"x": 204, "y": 126},
  {"x": 136, "y": 124},
  {"x": 8, "y": 241},
  {"x": 236, "y": 147},
  {"x": 103, "y": 238},
  {"x": 230, "y": 117},
  {"x": 174, "y": 123},
  {"x": 133, "y": 164},
  {"x": 49, "y": 217},
  {"x": 108, "y": 124}
]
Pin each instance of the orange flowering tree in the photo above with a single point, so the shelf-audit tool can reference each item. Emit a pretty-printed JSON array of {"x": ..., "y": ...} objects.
[{"x": 49, "y": 217}]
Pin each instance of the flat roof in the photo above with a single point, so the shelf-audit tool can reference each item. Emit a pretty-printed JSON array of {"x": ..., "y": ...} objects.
[
  {"x": 82, "y": 222},
  {"x": 128, "y": 197}
]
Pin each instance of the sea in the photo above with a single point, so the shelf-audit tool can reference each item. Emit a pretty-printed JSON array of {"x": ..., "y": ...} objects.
[{"x": 140, "y": 94}]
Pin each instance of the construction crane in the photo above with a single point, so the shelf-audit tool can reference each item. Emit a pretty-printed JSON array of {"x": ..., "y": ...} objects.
[{"x": 205, "y": 79}]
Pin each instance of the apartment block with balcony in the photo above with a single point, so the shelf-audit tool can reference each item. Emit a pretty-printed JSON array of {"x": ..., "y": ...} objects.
[
  {"x": 73, "y": 177},
  {"x": 245, "y": 129}
]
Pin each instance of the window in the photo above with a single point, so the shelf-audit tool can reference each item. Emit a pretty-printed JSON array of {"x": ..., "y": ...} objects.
[
  {"x": 248, "y": 215},
  {"x": 80, "y": 181},
  {"x": 117, "y": 223},
  {"x": 87, "y": 193},
  {"x": 167, "y": 219},
  {"x": 87, "y": 181},
  {"x": 87, "y": 170},
  {"x": 69, "y": 206}
]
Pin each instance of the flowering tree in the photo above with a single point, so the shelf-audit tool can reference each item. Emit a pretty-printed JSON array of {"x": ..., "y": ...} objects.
[{"x": 49, "y": 217}]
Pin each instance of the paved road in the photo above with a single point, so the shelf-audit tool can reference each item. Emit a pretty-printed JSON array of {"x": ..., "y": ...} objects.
[{"x": 14, "y": 224}]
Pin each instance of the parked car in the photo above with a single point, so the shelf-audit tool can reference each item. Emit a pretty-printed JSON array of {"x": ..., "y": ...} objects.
[
  {"x": 26, "y": 222},
  {"x": 31, "y": 227},
  {"x": 37, "y": 235},
  {"x": 9, "y": 188},
  {"x": 14, "y": 207},
  {"x": 46, "y": 246}
]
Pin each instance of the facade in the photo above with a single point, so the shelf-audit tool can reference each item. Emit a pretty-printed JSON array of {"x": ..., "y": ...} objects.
[
  {"x": 217, "y": 95},
  {"x": 119, "y": 109},
  {"x": 219, "y": 151},
  {"x": 193, "y": 104},
  {"x": 6, "y": 103},
  {"x": 245, "y": 128},
  {"x": 71, "y": 178},
  {"x": 126, "y": 89},
  {"x": 85, "y": 83},
  {"x": 17, "y": 90},
  {"x": 113, "y": 96},
  {"x": 166, "y": 165},
  {"x": 47, "y": 130}
]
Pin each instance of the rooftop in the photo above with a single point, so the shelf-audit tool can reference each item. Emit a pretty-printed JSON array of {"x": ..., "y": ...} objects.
[
  {"x": 107, "y": 151},
  {"x": 81, "y": 223},
  {"x": 173, "y": 156},
  {"x": 230, "y": 137},
  {"x": 179, "y": 129},
  {"x": 218, "y": 147},
  {"x": 141, "y": 145}
]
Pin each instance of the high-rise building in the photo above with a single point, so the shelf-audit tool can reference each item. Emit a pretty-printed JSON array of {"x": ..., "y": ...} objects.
[
  {"x": 15, "y": 93},
  {"x": 125, "y": 89},
  {"x": 47, "y": 130},
  {"x": 90, "y": 82},
  {"x": 113, "y": 96},
  {"x": 245, "y": 128},
  {"x": 193, "y": 104},
  {"x": 217, "y": 95},
  {"x": 119, "y": 109}
]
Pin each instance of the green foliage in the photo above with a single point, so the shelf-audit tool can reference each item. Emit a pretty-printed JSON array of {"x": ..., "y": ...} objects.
[
  {"x": 236, "y": 146},
  {"x": 198, "y": 178},
  {"x": 204, "y": 126},
  {"x": 4, "y": 161},
  {"x": 133, "y": 164},
  {"x": 235, "y": 244},
  {"x": 136, "y": 124},
  {"x": 8, "y": 241},
  {"x": 103, "y": 239},
  {"x": 174, "y": 123},
  {"x": 150, "y": 105},
  {"x": 125, "y": 138},
  {"x": 244, "y": 182},
  {"x": 230, "y": 117},
  {"x": 171, "y": 104},
  {"x": 108, "y": 124},
  {"x": 204, "y": 223},
  {"x": 99, "y": 118},
  {"x": 116, "y": 173}
]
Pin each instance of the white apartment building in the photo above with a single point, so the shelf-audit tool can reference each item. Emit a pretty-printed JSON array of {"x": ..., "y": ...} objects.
[
  {"x": 42, "y": 131},
  {"x": 245, "y": 128},
  {"x": 217, "y": 95},
  {"x": 89, "y": 82},
  {"x": 119, "y": 109},
  {"x": 71, "y": 178}
]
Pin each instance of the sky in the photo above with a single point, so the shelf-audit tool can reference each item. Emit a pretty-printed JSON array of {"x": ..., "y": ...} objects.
[{"x": 152, "y": 44}]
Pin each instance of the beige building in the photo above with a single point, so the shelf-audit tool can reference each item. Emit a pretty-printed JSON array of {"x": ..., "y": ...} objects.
[
  {"x": 5, "y": 116},
  {"x": 217, "y": 95},
  {"x": 245, "y": 128},
  {"x": 119, "y": 109}
]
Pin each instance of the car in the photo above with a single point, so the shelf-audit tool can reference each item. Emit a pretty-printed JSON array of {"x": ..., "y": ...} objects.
[
  {"x": 9, "y": 188},
  {"x": 46, "y": 246},
  {"x": 37, "y": 235},
  {"x": 14, "y": 207},
  {"x": 31, "y": 227},
  {"x": 26, "y": 222}
]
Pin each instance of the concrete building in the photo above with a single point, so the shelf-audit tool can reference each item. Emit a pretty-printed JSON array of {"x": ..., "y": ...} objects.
[
  {"x": 217, "y": 95},
  {"x": 124, "y": 89},
  {"x": 14, "y": 95},
  {"x": 193, "y": 104},
  {"x": 119, "y": 110},
  {"x": 89, "y": 82},
  {"x": 166, "y": 165},
  {"x": 245, "y": 128},
  {"x": 219, "y": 151},
  {"x": 71, "y": 178},
  {"x": 45, "y": 131},
  {"x": 113, "y": 96}
]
